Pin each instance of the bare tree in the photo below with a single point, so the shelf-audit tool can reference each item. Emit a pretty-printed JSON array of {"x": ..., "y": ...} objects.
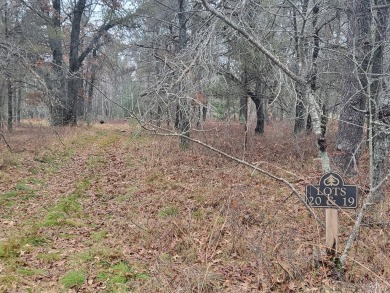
[{"x": 355, "y": 89}]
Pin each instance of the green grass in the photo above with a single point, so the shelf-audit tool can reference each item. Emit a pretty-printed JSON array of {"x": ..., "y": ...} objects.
[
  {"x": 108, "y": 139},
  {"x": 21, "y": 185},
  {"x": 120, "y": 274},
  {"x": 52, "y": 161},
  {"x": 102, "y": 276},
  {"x": 83, "y": 184},
  {"x": 127, "y": 196},
  {"x": 82, "y": 257},
  {"x": 11, "y": 160},
  {"x": 168, "y": 211},
  {"x": 198, "y": 214},
  {"x": 36, "y": 181},
  {"x": 61, "y": 213},
  {"x": 9, "y": 194},
  {"x": 94, "y": 160},
  {"x": 35, "y": 240},
  {"x": 49, "y": 257},
  {"x": 8, "y": 280},
  {"x": 24, "y": 191},
  {"x": 12, "y": 247},
  {"x": 73, "y": 279},
  {"x": 7, "y": 199},
  {"x": 98, "y": 235},
  {"x": 23, "y": 271}
]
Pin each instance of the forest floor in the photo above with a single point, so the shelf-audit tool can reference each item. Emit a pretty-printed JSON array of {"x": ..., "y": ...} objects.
[{"x": 113, "y": 208}]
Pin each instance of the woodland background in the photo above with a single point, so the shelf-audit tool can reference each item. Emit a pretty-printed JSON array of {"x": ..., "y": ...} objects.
[{"x": 285, "y": 89}]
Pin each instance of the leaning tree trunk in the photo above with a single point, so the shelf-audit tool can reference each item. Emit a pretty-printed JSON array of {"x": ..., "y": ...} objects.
[
  {"x": 349, "y": 137},
  {"x": 183, "y": 116}
]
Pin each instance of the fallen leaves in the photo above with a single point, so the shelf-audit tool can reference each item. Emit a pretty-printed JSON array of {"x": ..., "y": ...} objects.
[{"x": 182, "y": 221}]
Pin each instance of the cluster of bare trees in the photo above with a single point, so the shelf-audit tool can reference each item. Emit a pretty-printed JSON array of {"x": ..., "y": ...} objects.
[
  {"x": 305, "y": 60},
  {"x": 50, "y": 51}
]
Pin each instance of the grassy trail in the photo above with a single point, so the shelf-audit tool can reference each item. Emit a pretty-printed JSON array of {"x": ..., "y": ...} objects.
[
  {"x": 111, "y": 208},
  {"x": 52, "y": 220}
]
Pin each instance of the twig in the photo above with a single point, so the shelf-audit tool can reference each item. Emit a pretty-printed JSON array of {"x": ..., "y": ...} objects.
[
  {"x": 242, "y": 162},
  {"x": 8, "y": 146},
  {"x": 59, "y": 137},
  {"x": 377, "y": 224}
]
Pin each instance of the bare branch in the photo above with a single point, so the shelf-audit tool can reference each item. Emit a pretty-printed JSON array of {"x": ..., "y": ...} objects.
[{"x": 255, "y": 42}]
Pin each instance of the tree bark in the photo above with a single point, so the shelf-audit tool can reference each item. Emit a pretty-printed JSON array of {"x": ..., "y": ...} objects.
[
  {"x": 300, "y": 108},
  {"x": 300, "y": 112},
  {"x": 91, "y": 85},
  {"x": 74, "y": 63},
  {"x": 309, "y": 125},
  {"x": 379, "y": 129},
  {"x": 19, "y": 104},
  {"x": 8, "y": 70},
  {"x": 2, "y": 104},
  {"x": 10, "y": 102},
  {"x": 354, "y": 100},
  {"x": 259, "y": 104},
  {"x": 313, "y": 105},
  {"x": 58, "y": 105},
  {"x": 183, "y": 104},
  {"x": 66, "y": 108}
]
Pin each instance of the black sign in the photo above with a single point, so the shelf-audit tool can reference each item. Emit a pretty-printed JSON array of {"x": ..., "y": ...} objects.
[{"x": 332, "y": 192}]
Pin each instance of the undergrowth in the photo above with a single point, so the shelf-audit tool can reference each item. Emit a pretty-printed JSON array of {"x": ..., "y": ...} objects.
[{"x": 111, "y": 208}]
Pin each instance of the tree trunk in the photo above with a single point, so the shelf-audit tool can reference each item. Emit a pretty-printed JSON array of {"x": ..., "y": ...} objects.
[
  {"x": 324, "y": 120},
  {"x": 309, "y": 125},
  {"x": 19, "y": 104},
  {"x": 8, "y": 70},
  {"x": 184, "y": 107},
  {"x": 204, "y": 113},
  {"x": 350, "y": 131},
  {"x": 299, "y": 125},
  {"x": 259, "y": 103},
  {"x": 74, "y": 64},
  {"x": 159, "y": 114},
  {"x": 379, "y": 129},
  {"x": 81, "y": 97},
  {"x": 58, "y": 105},
  {"x": 314, "y": 72},
  {"x": 243, "y": 113},
  {"x": 2, "y": 103},
  {"x": 10, "y": 102},
  {"x": 177, "y": 119},
  {"x": 91, "y": 85}
]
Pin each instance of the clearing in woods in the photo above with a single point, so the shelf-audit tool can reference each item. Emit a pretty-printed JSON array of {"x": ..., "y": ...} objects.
[{"x": 111, "y": 208}]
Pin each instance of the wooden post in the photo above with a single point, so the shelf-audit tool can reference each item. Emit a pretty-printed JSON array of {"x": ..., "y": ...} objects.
[
  {"x": 331, "y": 193},
  {"x": 332, "y": 229}
]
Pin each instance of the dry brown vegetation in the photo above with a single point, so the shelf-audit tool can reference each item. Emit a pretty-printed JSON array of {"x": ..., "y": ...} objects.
[{"x": 112, "y": 208}]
